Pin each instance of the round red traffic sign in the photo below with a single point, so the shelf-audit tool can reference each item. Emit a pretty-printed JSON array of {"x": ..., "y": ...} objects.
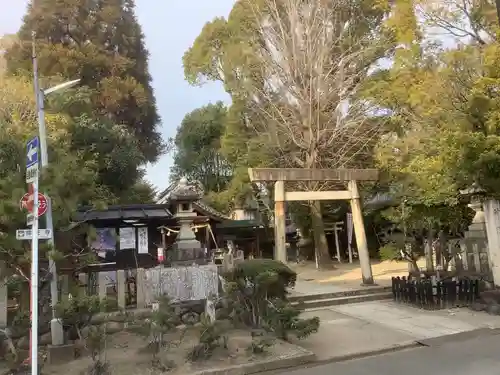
[{"x": 27, "y": 203}]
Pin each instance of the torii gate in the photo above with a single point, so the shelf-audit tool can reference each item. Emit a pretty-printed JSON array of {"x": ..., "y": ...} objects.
[{"x": 280, "y": 175}]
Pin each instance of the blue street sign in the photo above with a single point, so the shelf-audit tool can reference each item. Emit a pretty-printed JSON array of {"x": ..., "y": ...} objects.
[{"x": 32, "y": 148}]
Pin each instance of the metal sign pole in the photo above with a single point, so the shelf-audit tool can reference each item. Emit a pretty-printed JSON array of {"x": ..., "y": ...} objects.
[
  {"x": 34, "y": 284},
  {"x": 32, "y": 153}
]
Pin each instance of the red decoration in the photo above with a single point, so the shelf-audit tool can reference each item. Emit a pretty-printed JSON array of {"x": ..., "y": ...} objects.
[{"x": 161, "y": 256}]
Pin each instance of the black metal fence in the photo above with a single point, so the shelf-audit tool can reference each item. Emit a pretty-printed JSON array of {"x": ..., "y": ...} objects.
[{"x": 431, "y": 294}]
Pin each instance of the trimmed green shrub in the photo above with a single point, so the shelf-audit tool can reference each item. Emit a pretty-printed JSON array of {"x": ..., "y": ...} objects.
[{"x": 256, "y": 297}]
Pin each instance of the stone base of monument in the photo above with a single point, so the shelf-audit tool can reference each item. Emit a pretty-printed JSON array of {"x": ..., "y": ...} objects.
[{"x": 187, "y": 287}]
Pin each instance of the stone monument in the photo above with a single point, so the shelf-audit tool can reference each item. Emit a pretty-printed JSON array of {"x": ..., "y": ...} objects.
[{"x": 189, "y": 281}]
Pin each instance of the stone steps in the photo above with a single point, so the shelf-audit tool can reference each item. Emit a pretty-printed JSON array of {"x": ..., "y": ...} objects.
[{"x": 313, "y": 301}]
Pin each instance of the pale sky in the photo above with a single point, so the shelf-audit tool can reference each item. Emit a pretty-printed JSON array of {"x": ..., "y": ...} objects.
[{"x": 170, "y": 27}]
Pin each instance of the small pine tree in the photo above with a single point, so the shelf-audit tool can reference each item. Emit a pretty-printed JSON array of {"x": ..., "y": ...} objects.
[
  {"x": 95, "y": 342},
  {"x": 256, "y": 297},
  {"x": 162, "y": 321}
]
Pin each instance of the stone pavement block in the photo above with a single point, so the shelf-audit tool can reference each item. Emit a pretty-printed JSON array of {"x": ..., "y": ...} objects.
[{"x": 341, "y": 335}]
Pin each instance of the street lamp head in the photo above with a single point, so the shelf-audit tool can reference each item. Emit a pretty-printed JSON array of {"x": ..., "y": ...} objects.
[{"x": 61, "y": 87}]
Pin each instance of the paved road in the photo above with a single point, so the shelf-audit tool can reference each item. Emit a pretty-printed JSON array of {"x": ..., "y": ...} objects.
[{"x": 478, "y": 356}]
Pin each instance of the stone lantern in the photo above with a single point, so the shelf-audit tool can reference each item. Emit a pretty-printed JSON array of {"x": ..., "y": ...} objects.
[
  {"x": 187, "y": 249},
  {"x": 476, "y": 195}
]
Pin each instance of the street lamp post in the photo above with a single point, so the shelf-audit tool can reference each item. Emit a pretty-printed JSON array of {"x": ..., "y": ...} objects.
[{"x": 55, "y": 325}]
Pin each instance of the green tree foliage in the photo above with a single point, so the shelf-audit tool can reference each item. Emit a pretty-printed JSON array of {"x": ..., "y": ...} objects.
[
  {"x": 71, "y": 178},
  {"x": 443, "y": 111},
  {"x": 103, "y": 44},
  {"x": 198, "y": 148},
  {"x": 99, "y": 135},
  {"x": 114, "y": 150},
  {"x": 445, "y": 131}
]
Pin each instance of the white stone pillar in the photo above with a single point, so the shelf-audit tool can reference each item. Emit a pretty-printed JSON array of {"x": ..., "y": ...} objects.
[
  {"x": 464, "y": 256},
  {"x": 102, "y": 284},
  {"x": 359, "y": 232},
  {"x": 492, "y": 219},
  {"x": 141, "y": 288},
  {"x": 121, "y": 285},
  {"x": 476, "y": 257},
  {"x": 279, "y": 222}
]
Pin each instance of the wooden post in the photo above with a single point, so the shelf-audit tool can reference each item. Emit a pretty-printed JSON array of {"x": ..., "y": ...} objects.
[
  {"x": 279, "y": 222},
  {"x": 337, "y": 228},
  {"x": 259, "y": 253},
  {"x": 4, "y": 299},
  {"x": 83, "y": 278},
  {"x": 359, "y": 231},
  {"x": 207, "y": 241},
  {"x": 64, "y": 279}
]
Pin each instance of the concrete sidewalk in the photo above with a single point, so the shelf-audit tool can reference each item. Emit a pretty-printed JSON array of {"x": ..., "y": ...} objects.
[{"x": 362, "y": 329}]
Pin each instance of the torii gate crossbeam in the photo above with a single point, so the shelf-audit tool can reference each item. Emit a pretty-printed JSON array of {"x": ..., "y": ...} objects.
[{"x": 280, "y": 175}]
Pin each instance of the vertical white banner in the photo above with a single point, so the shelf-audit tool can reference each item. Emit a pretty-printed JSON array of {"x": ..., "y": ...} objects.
[
  {"x": 142, "y": 236},
  {"x": 349, "y": 228}
]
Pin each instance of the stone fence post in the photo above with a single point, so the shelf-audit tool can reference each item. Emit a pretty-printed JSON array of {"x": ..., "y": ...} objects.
[{"x": 492, "y": 219}]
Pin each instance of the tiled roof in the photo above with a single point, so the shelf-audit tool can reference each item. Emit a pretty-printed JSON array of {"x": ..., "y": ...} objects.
[{"x": 200, "y": 205}]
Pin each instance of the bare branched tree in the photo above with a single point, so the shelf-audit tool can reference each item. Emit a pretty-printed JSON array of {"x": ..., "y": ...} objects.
[
  {"x": 463, "y": 20},
  {"x": 314, "y": 56}
]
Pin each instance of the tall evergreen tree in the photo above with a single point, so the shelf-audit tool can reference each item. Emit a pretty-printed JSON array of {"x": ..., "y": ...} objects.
[{"x": 102, "y": 43}]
